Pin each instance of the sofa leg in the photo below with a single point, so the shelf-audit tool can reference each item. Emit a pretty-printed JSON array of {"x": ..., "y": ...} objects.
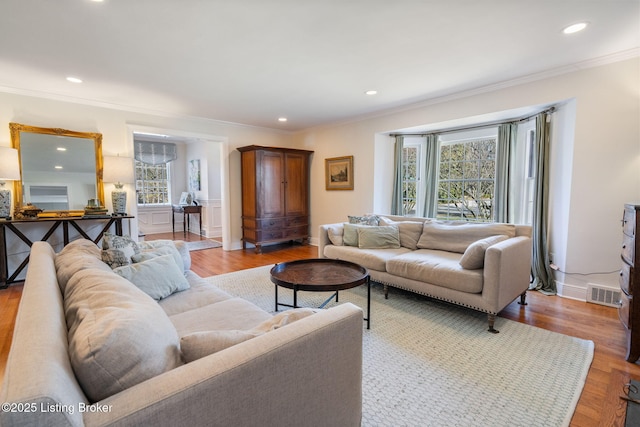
[
  {"x": 492, "y": 321},
  {"x": 523, "y": 298},
  {"x": 385, "y": 287}
]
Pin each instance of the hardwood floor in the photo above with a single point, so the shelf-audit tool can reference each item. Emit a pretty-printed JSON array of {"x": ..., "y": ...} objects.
[{"x": 599, "y": 403}]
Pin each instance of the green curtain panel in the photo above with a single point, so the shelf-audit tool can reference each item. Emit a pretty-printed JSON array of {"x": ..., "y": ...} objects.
[
  {"x": 506, "y": 141},
  {"x": 431, "y": 177},
  {"x": 396, "y": 201},
  {"x": 543, "y": 280}
]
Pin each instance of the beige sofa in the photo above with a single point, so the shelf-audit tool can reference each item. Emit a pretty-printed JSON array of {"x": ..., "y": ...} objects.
[
  {"x": 480, "y": 266},
  {"x": 91, "y": 348}
]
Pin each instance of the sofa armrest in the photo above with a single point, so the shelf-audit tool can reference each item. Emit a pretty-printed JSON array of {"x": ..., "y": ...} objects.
[
  {"x": 309, "y": 371},
  {"x": 323, "y": 237},
  {"x": 507, "y": 269}
]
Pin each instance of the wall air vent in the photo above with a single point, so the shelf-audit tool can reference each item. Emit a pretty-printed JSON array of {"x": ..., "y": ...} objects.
[{"x": 603, "y": 295}]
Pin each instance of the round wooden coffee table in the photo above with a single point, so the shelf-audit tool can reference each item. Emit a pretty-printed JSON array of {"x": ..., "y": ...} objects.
[{"x": 320, "y": 275}]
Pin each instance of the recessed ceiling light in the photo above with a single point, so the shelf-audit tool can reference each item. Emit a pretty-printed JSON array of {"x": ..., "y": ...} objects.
[
  {"x": 74, "y": 80},
  {"x": 282, "y": 119},
  {"x": 58, "y": 167},
  {"x": 575, "y": 28},
  {"x": 371, "y": 92},
  {"x": 61, "y": 149}
]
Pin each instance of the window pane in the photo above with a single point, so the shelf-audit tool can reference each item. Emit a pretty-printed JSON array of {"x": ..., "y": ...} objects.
[{"x": 152, "y": 184}]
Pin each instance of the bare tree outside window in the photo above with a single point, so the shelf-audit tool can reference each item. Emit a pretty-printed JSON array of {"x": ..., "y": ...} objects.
[
  {"x": 466, "y": 184},
  {"x": 152, "y": 184}
]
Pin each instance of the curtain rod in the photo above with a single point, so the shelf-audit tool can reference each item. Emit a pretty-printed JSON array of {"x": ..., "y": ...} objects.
[{"x": 479, "y": 126}]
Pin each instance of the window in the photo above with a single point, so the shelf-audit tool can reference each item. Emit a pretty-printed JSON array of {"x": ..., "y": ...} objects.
[
  {"x": 412, "y": 171},
  {"x": 152, "y": 184},
  {"x": 466, "y": 180}
]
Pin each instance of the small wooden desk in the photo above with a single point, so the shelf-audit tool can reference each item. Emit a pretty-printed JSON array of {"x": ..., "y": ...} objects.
[{"x": 186, "y": 212}]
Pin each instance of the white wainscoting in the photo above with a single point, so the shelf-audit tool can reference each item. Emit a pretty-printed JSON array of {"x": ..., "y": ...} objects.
[
  {"x": 211, "y": 218},
  {"x": 156, "y": 219}
]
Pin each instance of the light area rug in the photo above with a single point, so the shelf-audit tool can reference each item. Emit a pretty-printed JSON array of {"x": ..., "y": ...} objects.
[
  {"x": 198, "y": 245},
  {"x": 428, "y": 363}
]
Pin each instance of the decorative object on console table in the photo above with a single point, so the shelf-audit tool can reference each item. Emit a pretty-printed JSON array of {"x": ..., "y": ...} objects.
[
  {"x": 118, "y": 170},
  {"x": 339, "y": 173},
  {"x": 275, "y": 194},
  {"x": 630, "y": 281},
  {"x": 9, "y": 171}
]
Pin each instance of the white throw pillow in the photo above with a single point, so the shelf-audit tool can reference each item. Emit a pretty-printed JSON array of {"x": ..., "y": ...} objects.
[
  {"x": 335, "y": 233},
  {"x": 473, "y": 257}
]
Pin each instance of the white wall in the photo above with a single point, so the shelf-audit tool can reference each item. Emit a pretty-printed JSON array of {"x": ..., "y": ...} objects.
[{"x": 595, "y": 163}]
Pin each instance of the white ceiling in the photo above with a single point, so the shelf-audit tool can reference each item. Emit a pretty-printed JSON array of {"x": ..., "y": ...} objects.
[{"x": 252, "y": 61}]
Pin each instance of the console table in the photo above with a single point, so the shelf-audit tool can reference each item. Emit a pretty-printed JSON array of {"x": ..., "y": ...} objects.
[
  {"x": 51, "y": 224},
  {"x": 186, "y": 211}
]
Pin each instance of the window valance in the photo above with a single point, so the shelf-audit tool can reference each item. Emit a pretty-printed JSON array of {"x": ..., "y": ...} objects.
[{"x": 155, "y": 153}]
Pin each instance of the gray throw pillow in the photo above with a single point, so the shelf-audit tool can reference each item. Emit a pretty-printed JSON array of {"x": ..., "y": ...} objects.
[
  {"x": 381, "y": 237},
  {"x": 158, "y": 277},
  {"x": 473, "y": 257}
]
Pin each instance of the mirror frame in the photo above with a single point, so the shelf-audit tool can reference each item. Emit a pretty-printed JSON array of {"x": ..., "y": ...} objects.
[{"x": 17, "y": 128}]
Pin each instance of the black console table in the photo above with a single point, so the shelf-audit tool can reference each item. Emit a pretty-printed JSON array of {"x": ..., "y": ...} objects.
[{"x": 52, "y": 225}]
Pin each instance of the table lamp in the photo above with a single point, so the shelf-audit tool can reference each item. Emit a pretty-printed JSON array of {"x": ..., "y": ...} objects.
[
  {"x": 118, "y": 170},
  {"x": 9, "y": 171}
]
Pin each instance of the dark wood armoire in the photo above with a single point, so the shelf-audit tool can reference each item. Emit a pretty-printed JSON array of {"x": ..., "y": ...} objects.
[{"x": 275, "y": 195}]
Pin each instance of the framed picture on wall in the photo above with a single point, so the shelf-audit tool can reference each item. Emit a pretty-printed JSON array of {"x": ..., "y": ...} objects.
[
  {"x": 194, "y": 175},
  {"x": 339, "y": 173}
]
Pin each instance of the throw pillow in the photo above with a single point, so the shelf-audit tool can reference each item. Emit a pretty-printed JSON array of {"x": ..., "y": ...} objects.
[
  {"x": 350, "y": 235},
  {"x": 473, "y": 257},
  {"x": 118, "y": 250},
  {"x": 147, "y": 254},
  {"x": 200, "y": 344},
  {"x": 158, "y": 277},
  {"x": 381, "y": 237},
  {"x": 456, "y": 236},
  {"x": 364, "y": 220},
  {"x": 178, "y": 245},
  {"x": 410, "y": 231},
  {"x": 118, "y": 336},
  {"x": 335, "y": 233}
]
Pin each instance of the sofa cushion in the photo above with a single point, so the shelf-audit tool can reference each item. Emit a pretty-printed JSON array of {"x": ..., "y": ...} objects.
[
  {"x": 373, "y": 259},
  {"x": 410, "y": 231},
  {"x": 158, "y": 277},
  {"x": 199, "y": 294},
  {"x": 201, "y": 344},
  {"x": 232, "y": 313},
  {"x": 473, "y": 257},
  {"x": 440, "y": 268},
  {"x": 456, "y": 236},
  {"x": 78, "y": 255},
  {"x": 380, "y": 237},
  {"x": 118, "y": 335}
]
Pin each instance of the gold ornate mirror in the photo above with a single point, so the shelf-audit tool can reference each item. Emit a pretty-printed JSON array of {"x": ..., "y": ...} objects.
[{"x": 60, "y": 169}]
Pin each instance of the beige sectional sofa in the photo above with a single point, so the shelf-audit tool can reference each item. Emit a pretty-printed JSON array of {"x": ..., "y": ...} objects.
[
  {"x": 480, "y": 266},
  {"x": 90, "y": 347}
]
